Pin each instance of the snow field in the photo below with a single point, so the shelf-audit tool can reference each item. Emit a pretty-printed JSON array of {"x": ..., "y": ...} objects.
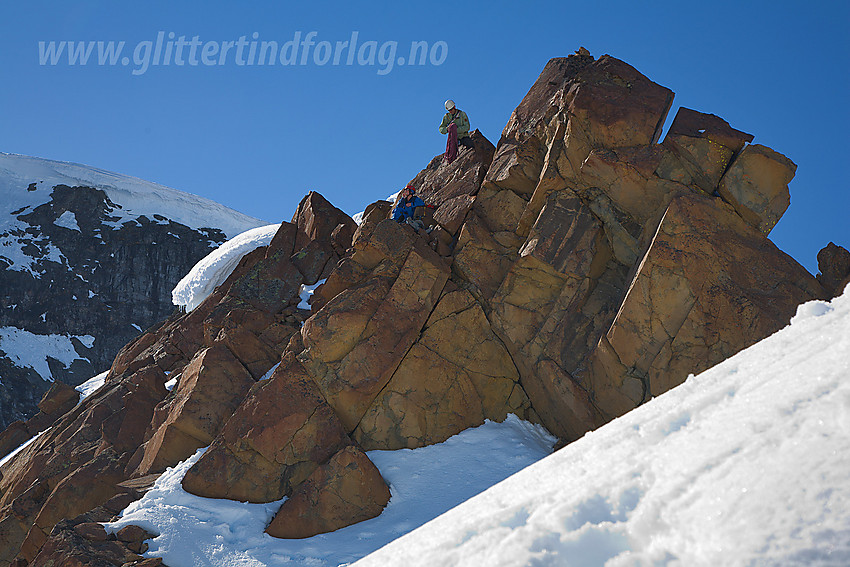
[
  {"x": 746, "y": 464},
  {"x": 424, "y": 483},
  {"x": 29, "y": 350}
]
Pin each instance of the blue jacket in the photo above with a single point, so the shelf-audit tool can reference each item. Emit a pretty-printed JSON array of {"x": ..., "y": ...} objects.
[{"x": 404, "y": 210}]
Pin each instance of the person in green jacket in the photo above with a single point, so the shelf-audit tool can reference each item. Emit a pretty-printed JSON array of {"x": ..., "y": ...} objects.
[{"x": 456, "y": 115}]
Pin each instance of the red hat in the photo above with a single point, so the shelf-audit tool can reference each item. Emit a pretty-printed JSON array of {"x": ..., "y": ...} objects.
[{"x": 411, "y": 188}]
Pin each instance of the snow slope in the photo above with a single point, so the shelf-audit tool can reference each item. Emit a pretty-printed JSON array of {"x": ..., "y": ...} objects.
[
  {"x": 746, "y": 464},
  {"x": 424, "y": 483}
]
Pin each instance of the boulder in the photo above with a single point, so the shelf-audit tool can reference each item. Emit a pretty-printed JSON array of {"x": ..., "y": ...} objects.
[
  {"x": 345, "y": 490},
  {"x": 210, "y": 389},
  {"x": 276, "y": 438},
  {"x": 756, "y": 185},
  {"x": 834, "y": 268},
  {"x": 58, "y": 400},
  {"x": 316, "y": 219},
  {"x": 704, "y": 144},
  {"x": 323, "y": 234},
  {"x": 13, "y": 437}
]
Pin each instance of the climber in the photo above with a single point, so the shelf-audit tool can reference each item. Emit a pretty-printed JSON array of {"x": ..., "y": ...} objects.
[
  {"x": 456, "y": 124},
  {"x": 405, "y": 207}
]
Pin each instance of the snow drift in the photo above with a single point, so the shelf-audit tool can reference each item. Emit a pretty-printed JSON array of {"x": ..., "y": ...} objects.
[{"x": 212, "y": 270}]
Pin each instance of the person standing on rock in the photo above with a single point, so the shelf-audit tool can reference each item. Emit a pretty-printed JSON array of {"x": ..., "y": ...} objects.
[
  {"x": 456, "y": 124},
  {"x": 405, "y": 206}
]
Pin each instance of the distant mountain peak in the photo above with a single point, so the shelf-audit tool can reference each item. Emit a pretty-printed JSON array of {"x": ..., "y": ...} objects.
[{"x": 87, "y": 252}]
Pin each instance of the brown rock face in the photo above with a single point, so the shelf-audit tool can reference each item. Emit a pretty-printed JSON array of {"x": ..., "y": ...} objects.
[
  {"x": 209, "y": 390},
  {"x": 704, "y": 144},
  {"x": 706, "y": 276},
  {"x": 345, "y": 490},
  {"x": 456, "y": 375},
  {"x": 279, "y": 435},
  {"x": 355, "y": 343},
  {"x": 57, "y": 401},
  {"x": 75, "y": 465},
  {"x": 561, "y": 239}
]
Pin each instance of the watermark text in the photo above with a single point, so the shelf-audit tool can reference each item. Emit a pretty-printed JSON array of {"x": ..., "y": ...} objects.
[{"x": 304, "y": 48}]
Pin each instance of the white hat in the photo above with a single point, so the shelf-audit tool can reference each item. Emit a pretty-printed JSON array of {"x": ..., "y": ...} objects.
[{"x": 450, "y": 104}]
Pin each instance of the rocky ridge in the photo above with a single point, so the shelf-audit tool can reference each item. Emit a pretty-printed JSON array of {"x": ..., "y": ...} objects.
[{"x": 577, "y": 268}]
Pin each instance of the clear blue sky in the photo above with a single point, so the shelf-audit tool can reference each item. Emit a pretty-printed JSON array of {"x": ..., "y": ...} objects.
[{"x": 257, "y": 138}]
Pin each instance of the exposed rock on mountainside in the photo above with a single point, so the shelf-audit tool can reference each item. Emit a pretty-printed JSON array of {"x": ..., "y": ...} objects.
[
  {"x": 574, "y": 271},
  {"x": 834, "y": 268},
  {"x": 58, "y": 400},
  {"x": 82, "y": 273}
]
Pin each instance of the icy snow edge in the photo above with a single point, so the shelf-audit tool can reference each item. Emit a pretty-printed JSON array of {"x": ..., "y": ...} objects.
[{"x": 213, "y": 269}]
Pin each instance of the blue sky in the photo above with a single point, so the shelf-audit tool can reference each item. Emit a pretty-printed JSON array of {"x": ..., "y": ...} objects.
[{"x": 257, "y": 138}]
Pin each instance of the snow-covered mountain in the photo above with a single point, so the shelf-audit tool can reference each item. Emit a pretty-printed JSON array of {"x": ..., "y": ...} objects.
[{"x": 88, "y": 259}]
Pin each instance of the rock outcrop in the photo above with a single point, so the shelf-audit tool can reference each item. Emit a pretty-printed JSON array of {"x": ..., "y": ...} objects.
[
  {"x": 572, "y": 272},
  {"x": 834, "y": 268},
  {"x": 55, "y": 403},
  {"x": 346, "y": 489}
]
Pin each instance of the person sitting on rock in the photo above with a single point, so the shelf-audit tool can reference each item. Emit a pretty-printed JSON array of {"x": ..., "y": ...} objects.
[
  {"x": 456, "y": 124},
  {"x": 405, "y": 207}
]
